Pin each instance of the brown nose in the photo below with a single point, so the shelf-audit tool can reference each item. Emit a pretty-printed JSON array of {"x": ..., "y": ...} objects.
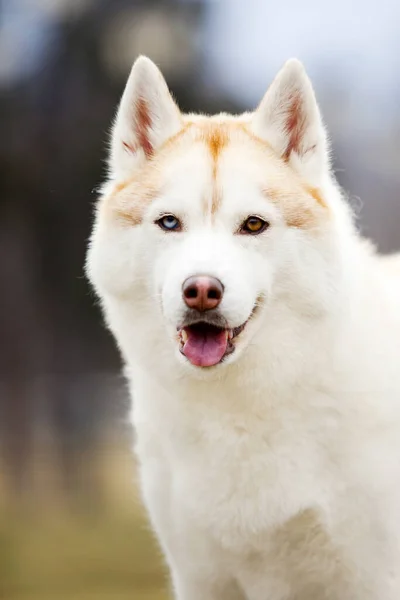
[{"x": 202, "y": 292}]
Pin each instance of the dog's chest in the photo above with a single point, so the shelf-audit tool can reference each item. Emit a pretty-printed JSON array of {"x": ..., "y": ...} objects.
[
  {"x": 239, "y": 491},
  {"x": 236, "y": 477}
]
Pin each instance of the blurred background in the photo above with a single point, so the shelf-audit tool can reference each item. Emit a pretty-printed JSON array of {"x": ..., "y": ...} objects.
[{"x": 71, "y": 525}]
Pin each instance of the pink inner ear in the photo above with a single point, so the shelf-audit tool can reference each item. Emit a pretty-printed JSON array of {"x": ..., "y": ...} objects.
[
  {"x": 143, "y": 124},
  {"x": 295, "y": 124}
]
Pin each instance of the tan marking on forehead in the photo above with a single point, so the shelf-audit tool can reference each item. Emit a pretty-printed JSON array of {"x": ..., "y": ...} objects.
[
  {"x": 120, "y": 186},
  {"x": 216, "y": 136},
  {"x": 216, "y": 141},
  {"x": 301, "y": 203},
  {"x": 299, "y": 210},
  {"x": 128, "y": 200},
  {"x": 216, "y": 198},
  {"x": 316, "y": 194}
]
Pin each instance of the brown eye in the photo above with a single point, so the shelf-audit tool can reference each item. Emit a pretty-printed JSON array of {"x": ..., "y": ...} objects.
[{"x": 253, "y": 226}]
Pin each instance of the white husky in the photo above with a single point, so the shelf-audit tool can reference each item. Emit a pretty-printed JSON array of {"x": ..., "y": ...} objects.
[{"x": 261, "y": 337}]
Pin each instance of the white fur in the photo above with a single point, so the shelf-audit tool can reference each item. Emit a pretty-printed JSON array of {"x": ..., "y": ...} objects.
[{"x": 276, "y": 475}]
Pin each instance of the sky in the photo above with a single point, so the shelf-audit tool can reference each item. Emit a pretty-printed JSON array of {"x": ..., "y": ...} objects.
[
  {"x": 353, "y": 45},
  {"x": 351, "y": 48}
]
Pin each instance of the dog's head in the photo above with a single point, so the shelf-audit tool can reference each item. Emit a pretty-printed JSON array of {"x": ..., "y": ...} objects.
[{"x": 207, "y": 222}]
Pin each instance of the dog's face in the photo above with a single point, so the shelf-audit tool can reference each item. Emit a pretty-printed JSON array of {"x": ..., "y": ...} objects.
[{"x": 205, "y": 219}]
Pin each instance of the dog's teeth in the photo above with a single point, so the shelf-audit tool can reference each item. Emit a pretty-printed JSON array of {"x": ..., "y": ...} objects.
[
  {"x": 230, "y": 334},
  {"x": 184, "y": 336}
]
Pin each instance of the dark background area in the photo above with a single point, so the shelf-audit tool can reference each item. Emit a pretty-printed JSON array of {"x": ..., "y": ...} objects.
[{"x": 63, "y": 66}]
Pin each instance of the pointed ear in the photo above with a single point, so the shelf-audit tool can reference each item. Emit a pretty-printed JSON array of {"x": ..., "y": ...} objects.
[
  {"x": 289, "y": 119},
  {"x": 147, "y": 116}
]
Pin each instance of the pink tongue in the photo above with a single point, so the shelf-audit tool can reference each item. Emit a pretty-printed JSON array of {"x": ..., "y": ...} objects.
[{"x": 205, "y": 347}]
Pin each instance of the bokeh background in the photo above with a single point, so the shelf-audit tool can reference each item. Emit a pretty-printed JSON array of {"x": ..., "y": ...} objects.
[{"x": 71, "y": 525}]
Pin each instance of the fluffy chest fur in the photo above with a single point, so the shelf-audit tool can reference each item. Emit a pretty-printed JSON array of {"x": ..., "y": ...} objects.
[
  {"x": 233, "y": 475},
  {"x": 287, "y": 492},
  {"x": 277, "y": 485}
]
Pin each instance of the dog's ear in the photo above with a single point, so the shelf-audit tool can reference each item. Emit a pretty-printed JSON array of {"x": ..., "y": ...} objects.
[
  {"x": 288, "y": 118},
  {"x": 147, "y": 116}
]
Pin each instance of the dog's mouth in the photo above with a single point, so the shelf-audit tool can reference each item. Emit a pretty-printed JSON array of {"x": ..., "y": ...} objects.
[{"x": 205, "y": 344}]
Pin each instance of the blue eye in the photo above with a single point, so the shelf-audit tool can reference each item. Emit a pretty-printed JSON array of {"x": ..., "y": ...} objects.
[{"x": 169, "y": 223}]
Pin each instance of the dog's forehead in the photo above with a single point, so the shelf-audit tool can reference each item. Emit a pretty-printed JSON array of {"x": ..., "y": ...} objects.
[
  {"x": 231, "y": 140},
  {"x": 212, "y": 157},
  {"x": 212, "y": 164},
  {"x": 216, "y": 165},
  {"x": 185, "y": 166}
]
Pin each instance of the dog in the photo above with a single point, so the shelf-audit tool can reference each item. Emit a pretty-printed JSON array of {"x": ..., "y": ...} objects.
[{"x": 261, "y": 340}]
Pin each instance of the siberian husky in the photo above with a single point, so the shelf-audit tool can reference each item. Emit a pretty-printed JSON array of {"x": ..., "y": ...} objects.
[{"x": 261, "y": 338}]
